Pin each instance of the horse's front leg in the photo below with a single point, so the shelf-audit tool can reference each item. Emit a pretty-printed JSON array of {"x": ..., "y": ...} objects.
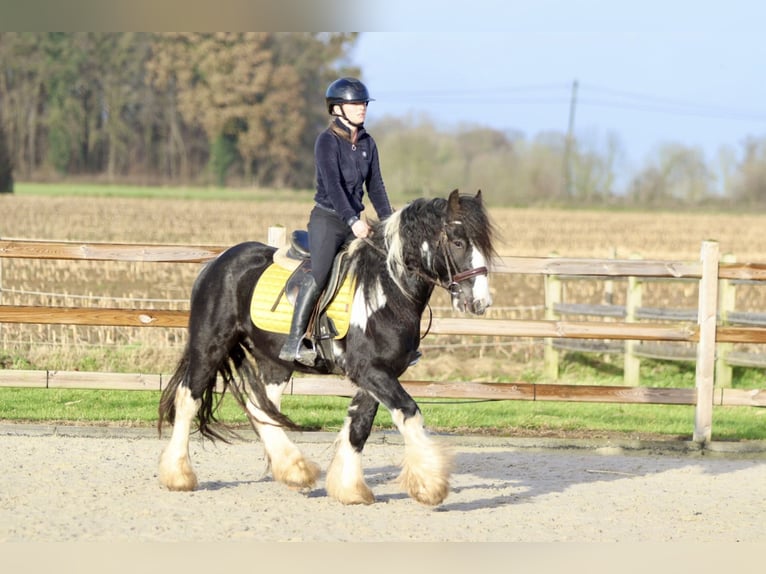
[
  {"x": 176, "y": 472},
  {"x": 427, "y": 464},
  {"x": 345, "y": 477}
]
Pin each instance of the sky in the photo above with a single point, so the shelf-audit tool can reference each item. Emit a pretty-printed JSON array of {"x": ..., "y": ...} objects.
[{"x": 650, "y": 72}]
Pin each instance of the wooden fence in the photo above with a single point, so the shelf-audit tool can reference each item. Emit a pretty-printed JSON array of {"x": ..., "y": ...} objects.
[
  {"x": 634, "y": 311},
  {"x": 706, "y": 334}
]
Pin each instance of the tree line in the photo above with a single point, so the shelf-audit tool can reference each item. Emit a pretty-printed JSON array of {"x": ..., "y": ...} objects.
[
  {"x": 513, "y": 169},
  {"x": 167, "y": 107},
  {"x": 244, "y": 108}
]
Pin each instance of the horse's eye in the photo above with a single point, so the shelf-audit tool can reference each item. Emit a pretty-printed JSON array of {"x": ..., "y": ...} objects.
[{"x": 458, "y": 243}]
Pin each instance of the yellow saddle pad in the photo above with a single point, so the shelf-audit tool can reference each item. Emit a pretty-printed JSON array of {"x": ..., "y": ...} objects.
[{"x": 269, "y": 287}]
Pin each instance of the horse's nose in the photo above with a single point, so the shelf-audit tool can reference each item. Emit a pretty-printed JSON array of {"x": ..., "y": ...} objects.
[{"x": 479, "y": 306}]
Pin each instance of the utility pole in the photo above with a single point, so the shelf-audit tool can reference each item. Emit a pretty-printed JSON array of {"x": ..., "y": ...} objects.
[
  {"x": 568, "y": 179},
  {"x": 6, "y": 166}
]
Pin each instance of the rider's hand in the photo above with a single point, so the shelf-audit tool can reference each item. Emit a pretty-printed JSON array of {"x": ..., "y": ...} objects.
[{"x": 360, "y": 228}]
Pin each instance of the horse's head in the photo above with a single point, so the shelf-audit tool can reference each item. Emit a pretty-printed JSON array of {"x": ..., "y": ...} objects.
[
  {"x": 466, "y": 244},
  {"x": 444, "y": 242}
]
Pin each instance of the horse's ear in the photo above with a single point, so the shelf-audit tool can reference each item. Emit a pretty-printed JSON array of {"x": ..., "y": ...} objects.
[
  {"x": 478, "y": 196},
  {"x": 453, "y": 205}
]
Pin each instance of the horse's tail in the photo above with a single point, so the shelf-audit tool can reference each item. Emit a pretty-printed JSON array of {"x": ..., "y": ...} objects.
[{"x": 238, "y": 374}]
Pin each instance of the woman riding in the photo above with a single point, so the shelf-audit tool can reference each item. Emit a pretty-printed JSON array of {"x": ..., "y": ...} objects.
[{"x": 346, "y": 159}]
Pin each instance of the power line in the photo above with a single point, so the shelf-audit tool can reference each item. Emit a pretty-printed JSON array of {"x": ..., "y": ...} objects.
[
  {"x": 651, "y": 103},
  {"x": 675, "y": 110},
  {"x": 473, "y": 91},
  {"x": 559, "y": 94}
]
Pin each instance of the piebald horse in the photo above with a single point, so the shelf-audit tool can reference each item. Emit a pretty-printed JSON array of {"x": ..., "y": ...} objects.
[{"x": 429, "y": 243}]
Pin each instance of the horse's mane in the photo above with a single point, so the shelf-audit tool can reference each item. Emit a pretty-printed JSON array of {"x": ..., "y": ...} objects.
[{"x": 394, "y": 251}]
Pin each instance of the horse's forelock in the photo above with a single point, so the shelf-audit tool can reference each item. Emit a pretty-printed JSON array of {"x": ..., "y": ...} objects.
[{"x": 477, "y": 225}]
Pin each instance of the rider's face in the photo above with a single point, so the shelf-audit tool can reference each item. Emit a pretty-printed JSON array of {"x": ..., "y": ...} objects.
[{"x": 355, "y": 112}]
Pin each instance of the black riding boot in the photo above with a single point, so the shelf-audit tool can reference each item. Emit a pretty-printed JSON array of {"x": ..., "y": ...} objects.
[{"x": 294, "y": 349}]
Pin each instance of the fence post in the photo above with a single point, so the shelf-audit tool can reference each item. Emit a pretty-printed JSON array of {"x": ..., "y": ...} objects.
[
  {"x": 706, "y": 319},
  {"x": 553, "y": 290},
  {"x": 727, "y": 296},
  {"x": 631, "y": 363}
]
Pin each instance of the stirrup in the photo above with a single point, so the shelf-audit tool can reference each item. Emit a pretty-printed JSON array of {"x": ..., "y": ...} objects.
[
  {"x": 287, "y": 354},
  {"x": 306, "y": 355}
]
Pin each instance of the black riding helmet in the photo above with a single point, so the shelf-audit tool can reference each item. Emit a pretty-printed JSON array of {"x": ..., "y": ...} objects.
[{"x": 346, "y": 91}]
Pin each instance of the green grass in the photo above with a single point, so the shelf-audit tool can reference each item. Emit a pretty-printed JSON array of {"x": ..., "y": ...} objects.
[{"x": 500, "y": 418}]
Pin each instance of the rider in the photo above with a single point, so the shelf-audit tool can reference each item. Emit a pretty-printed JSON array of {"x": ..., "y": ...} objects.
[{"x": 346, "y": 159}]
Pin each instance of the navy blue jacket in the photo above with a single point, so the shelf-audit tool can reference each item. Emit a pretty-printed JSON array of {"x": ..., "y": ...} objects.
[{"x": 344, "y": 169}]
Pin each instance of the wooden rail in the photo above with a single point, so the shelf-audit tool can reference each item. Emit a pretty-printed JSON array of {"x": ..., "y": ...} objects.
[
  {"x": 73, "y": 250},
  {"x": 335, "y": 386},
  {"x": 730, "y": 328},
  {"x": 113, "y": 317},
  {"x": 706, "y": 333}
]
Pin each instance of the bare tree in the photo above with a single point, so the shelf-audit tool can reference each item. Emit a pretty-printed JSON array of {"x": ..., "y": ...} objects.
[
  {"x": 750, "y": 180},
  {"x": 676, "y": 175}
]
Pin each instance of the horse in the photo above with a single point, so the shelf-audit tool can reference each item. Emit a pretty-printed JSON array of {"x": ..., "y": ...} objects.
[{"x": 444, "y": 242}]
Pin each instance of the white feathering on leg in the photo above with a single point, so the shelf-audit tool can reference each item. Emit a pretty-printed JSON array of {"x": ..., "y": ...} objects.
[
  {"x": 176, "y": 472},
  {"x": 345, "y": 478},
  {"x": 427, "y": 465}
]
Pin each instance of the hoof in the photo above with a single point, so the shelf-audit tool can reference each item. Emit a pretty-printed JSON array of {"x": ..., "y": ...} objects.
[
  {"x": 359, "y": 495},
  {"x": 300, "y": 474},
  {"x": 429, "y": 491},
  {"x": 345, "y": 478},
  {"x": 425, "y": 474},
  {"x": 352, "y": 490},
  {"x": 177, "y": 475}
]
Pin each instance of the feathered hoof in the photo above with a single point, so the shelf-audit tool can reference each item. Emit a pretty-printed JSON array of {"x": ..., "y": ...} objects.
[
  {"x": 177, "y": 474},
  {"x": 359, "y": 493},
  {"x": 354, "y": 491},
  {"x": 426, "y": 472},
  {"x": 300, "y": 474},
  {"x": 430, "y": 491}
]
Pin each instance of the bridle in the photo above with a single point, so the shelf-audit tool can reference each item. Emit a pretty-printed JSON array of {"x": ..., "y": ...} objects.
[
  {"x": 452, "y": 285},
  {"x": 454, "y": 281}
]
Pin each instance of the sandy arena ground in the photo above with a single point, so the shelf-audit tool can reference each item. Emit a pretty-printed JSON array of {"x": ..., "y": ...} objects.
[{"x": 88, "y": 484}]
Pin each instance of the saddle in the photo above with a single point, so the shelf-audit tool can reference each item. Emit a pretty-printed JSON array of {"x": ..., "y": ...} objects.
[{"x": 275, "y": 293}]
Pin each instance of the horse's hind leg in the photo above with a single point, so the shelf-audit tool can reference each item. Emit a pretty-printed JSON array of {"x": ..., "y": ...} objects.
[
  {"x": 345, "y": 478},
  {"x": 288, "y": 464},
  {"x": 176, "y": 471}
]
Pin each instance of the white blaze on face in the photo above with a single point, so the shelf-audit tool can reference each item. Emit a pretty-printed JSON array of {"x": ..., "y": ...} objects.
[
  {"x": 425, "y": 250},
  {"x": 480, "y": 282},
  {"x": 362, "y": 309}
]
